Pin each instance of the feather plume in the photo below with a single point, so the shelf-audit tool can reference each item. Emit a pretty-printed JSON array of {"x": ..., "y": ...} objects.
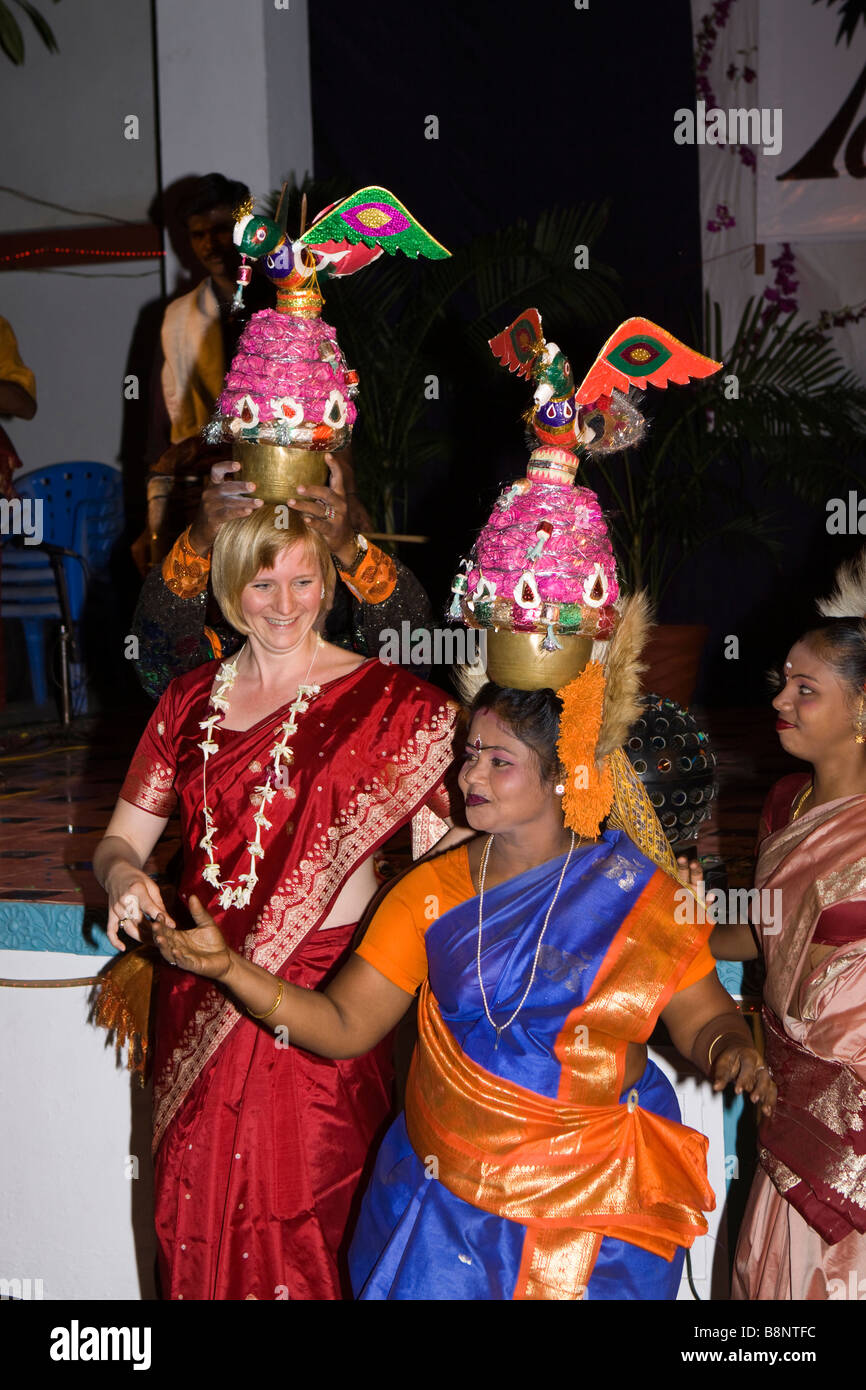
[
  {"x": 848, "y": 599},
  {"x": 589, "y": 780},
  {"x": 468, "y": 678},
  {"x": 623, "y": 671}
]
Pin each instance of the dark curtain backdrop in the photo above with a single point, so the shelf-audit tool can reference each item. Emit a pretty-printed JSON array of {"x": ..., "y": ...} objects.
[{"x": 540, "y": 105}]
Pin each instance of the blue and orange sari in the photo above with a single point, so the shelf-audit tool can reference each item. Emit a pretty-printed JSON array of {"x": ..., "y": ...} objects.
[{"x": 522, "y": 1171}]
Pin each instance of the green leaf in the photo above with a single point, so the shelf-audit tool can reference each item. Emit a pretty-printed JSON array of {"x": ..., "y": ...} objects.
[
  {"x": 11, "y": 38},
  {"x": 799, "y": 423},
  {"x": 41, "y": 25}
]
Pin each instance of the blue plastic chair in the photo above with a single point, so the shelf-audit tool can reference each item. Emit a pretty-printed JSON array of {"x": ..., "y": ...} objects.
[{"x": 82, "y": 510}]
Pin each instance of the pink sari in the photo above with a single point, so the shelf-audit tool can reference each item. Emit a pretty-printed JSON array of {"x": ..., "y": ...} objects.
[{"x": 803, "y": 1231}]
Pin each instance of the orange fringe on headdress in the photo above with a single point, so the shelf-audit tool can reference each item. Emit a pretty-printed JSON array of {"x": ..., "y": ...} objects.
[{"x": 588, "y": 786}]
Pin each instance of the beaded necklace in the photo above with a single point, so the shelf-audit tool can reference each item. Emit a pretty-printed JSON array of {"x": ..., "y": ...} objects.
[{"x": 237, "y": 893}]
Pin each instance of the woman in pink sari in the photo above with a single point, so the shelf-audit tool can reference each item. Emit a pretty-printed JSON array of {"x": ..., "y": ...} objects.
[{"x": 804, "y": 1230}]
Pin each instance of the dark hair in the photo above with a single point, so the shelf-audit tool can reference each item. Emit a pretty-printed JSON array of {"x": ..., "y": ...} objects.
[
  {"x": 212, "y": 191},
  {"x": 841, "y": 642},
  {"x": 532, "y": 716}
]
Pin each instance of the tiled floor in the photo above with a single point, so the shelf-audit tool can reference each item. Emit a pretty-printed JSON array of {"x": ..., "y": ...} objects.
[{"x": 57, "y": 791}]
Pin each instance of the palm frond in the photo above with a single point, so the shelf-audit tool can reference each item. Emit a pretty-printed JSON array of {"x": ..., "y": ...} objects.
[
  {"x": 11, "y": 37},
  {"x": 795, "y": 425}
]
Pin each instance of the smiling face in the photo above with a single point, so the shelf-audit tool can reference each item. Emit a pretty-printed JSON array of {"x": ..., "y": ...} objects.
[
  {"x": 501, "y": 779},
  {"x": 815, "y": 707},
  {"x": 280, "y": 605}
]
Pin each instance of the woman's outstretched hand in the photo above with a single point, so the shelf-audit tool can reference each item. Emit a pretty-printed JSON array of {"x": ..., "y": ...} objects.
[
  {"x": 745, "y": 1068},
  {"x": 202, "y": 950},
  {"x": 132, "y": 897}
]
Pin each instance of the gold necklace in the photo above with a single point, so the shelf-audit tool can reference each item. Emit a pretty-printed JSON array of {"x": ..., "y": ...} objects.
[
  {"x": 484, "y": 858},
  {"x": 237, "y": 893},
  {"x": 801, "y": 799}
]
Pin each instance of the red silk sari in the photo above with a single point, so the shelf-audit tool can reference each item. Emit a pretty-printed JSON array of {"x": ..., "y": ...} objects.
[{"x": 260, "y": 1146}]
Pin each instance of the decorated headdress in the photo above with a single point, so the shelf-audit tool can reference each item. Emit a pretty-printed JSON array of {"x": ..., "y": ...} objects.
[
  {"x": 541, "y": 578},
  {"x": 289, "y": 395}
]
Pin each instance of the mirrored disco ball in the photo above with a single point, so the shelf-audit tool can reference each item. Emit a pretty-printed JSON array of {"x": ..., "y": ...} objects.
[{"x": 675, "y": 761}]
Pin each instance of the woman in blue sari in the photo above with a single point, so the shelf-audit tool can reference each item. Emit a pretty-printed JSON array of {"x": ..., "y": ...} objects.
[{"x": 541, "y": 1155}]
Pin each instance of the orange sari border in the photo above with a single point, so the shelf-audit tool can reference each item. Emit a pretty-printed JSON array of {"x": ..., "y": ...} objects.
[
  {"x": 593, "y": 1061},
  {"x": 607, "y": 1170},
  {"x": 643, "y": 965}
]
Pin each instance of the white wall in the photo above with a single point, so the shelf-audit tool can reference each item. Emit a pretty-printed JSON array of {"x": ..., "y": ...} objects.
[
  {"x": 234, "y": 96},
  {"x": 234, "y": 91},
  {"x": 76, "y": 1181},
  {"x": 67, "y": 113}
]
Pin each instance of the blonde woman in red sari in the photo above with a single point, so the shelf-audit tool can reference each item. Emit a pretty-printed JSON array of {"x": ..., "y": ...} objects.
[
  {"x": 291, "y": 763},
  {"x": 804, "y": 1230}
]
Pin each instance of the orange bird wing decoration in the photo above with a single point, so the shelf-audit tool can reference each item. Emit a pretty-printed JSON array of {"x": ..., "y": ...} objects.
[
  {"x": 640, "y": 353},
  {"x": 517, "y": 346}
]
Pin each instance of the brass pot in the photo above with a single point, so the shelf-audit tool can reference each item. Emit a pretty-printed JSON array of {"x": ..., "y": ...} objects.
[
  {"x": 277, "y": 471},
  {"x": 517, "y": 659}
]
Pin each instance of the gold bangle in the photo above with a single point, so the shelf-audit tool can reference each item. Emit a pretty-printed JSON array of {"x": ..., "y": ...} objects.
[
  {"x": 716, "y": 1039},
  {"x": 276, "y": 1004}
]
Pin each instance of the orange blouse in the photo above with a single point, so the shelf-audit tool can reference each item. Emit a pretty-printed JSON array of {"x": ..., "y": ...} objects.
[{"x": 394, "y": 940}]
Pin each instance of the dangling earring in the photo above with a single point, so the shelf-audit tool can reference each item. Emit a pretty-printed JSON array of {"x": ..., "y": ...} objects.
[
  {"x": 860, "y": 724},
  {"x": 322, "y": 594}
]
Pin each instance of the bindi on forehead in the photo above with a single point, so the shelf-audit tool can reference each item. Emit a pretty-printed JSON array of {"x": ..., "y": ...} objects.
[{"x": 497, "y": 735}]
